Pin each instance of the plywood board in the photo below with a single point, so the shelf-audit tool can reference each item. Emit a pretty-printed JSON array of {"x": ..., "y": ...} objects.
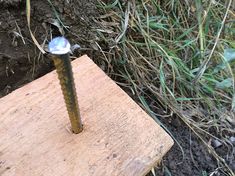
[{"x": 119, "y": 138}]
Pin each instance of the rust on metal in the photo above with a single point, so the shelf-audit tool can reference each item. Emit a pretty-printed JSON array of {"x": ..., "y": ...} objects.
[{"x": 64, "y": 70}]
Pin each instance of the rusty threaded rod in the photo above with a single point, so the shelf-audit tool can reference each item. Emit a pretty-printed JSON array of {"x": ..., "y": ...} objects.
[{"x": 59, "y": 47}]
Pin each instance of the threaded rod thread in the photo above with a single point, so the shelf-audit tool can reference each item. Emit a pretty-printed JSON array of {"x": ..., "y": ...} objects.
[{"x": 65, "y": 75}]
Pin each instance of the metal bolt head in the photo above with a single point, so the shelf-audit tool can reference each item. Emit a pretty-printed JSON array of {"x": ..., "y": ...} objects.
[{"x": 59, "y": 46}]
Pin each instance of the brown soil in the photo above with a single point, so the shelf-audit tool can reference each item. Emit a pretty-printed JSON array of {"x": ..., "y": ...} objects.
[
  {"x": 21, "y": 62},
  {"x": 196, "y": 160}
]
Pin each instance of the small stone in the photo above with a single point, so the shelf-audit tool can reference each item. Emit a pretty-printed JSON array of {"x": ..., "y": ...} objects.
[
  {"x": 215, "y": 143},
  {"x": 232, "y": 139}
]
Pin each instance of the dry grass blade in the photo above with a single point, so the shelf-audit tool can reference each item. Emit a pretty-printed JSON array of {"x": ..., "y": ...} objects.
[
  {"x": 125, "y": 23},
  {"x": 28, "y": 8}
]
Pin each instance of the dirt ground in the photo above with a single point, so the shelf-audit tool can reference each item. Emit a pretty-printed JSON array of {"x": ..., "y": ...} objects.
[{"x": 21, "y": 62}]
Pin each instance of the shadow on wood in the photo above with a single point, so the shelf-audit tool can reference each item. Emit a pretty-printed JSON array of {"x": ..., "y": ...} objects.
[{"x": 118, "y": 139}]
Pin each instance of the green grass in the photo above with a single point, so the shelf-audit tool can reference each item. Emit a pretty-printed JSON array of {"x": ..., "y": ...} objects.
[{"x": 177, "y": 53}]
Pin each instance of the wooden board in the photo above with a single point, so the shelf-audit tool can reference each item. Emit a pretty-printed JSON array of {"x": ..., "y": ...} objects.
[{"x": 119, "y": 138}]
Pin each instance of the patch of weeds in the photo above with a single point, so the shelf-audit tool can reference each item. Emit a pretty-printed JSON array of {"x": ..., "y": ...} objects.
[{"x": 181, "y": 54}]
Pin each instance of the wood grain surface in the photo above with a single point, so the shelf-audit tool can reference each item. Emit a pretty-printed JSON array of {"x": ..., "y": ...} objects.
[{"x": 119, "y": 138}]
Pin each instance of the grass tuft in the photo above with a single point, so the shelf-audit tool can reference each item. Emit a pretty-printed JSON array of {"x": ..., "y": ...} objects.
[{"x": 178, "y": 53}]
